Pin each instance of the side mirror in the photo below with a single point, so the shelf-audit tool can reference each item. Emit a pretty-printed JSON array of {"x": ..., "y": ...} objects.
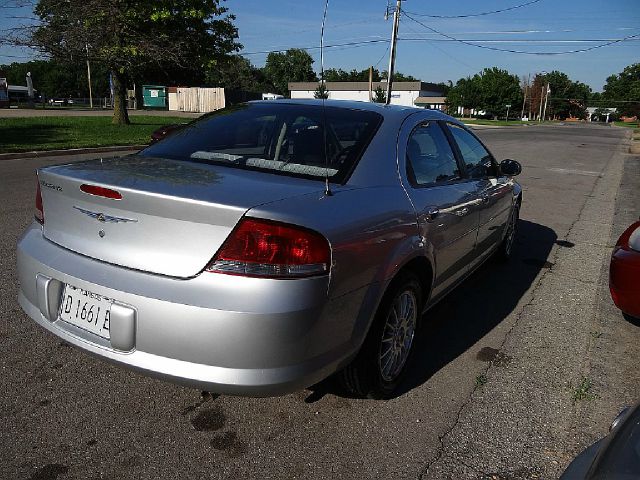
[{"x": 510, "y": 168}]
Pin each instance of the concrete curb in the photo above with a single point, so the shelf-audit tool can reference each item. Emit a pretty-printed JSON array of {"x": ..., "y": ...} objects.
[{"x": 71, "y": 151}]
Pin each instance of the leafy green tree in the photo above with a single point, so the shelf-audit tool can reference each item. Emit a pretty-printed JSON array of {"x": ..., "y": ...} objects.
[
  {"x": 339, "y": 75},
  {"x": 127, "y": 36},
  {"x": 237, "y": 73},
  {"x": 59, "y": 79},
  {"x": 321, "y": 92},
  {"x": 625, "y": 89},
  {"x": 294, "y": 65},
  {"x": 465, "y": 93},
  {"x": 497, "y": 89},
  {"x": 490, "y": 90},
  {"x": 400, "y": 77},
  {"x": 567, "y": 98}
]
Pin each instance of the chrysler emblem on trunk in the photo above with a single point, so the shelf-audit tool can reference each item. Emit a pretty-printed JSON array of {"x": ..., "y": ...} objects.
[{"x": 103, "y": 218}]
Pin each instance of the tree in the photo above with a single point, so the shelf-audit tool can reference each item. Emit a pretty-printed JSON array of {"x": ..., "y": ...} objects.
[
  {"x": 566, "y": 98},
  {"x": 400, "y": 77},
  {"x": 294, "y": 65},
  {"x": 339, "y": 75},
  {"x": 624, "y": 89},
  {"x": 237, "y": 73},
  {"x": 57, "y": 79},
  {"x": 498, "y": 88},
  {"x": 465, "y": 93},
  {"x": 490, "y": 90},
  {"x": 321, "y": 92},
  {"x": 127, "y": 36}
]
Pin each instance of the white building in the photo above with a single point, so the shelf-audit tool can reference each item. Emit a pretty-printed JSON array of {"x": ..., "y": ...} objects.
[{"x": 403, "y": 93}]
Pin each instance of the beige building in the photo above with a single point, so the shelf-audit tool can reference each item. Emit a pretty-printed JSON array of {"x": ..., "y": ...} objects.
[{"x": 403, "y": 93}]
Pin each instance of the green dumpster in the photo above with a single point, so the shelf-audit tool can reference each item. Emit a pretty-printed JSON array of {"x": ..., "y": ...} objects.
[{"x": 154, "y": 96}]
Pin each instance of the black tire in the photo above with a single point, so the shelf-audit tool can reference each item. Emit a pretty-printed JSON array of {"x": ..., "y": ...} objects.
[
  {"x": 366, "y": 376},
  {"x": 505, "y": 250}
]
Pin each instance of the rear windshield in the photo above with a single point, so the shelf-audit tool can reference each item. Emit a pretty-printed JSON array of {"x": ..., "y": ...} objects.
[{"x": 277, "y": 138}]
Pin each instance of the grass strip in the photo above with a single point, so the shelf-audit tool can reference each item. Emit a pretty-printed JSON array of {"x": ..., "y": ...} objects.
[{"x": 53, "y": 133}]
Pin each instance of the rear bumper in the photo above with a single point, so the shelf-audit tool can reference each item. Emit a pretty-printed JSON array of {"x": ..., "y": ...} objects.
[{"x": 219, "y": 333}]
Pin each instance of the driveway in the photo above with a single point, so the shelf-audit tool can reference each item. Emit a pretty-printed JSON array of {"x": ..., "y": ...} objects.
[{"x": 494, "y": 391}]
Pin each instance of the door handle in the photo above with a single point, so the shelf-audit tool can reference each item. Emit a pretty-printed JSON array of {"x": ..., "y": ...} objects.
[{"x": 431, "y": 213}]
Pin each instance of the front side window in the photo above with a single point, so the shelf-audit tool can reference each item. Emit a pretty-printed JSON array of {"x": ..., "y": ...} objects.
[
  {"x": 477, "y": 159},
  {"x": 430, "y": 159},
  {"x": 294, "y": 139}
]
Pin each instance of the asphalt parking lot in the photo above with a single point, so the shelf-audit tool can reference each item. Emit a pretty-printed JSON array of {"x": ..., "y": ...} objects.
[{"x": 496, "y": 390}]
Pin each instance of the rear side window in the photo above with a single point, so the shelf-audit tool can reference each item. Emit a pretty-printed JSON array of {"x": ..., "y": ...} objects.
[
  {"x": 477, "y": 159},
  {"x": 277, "y": 138},
  {"x": 430, "y": 159}
]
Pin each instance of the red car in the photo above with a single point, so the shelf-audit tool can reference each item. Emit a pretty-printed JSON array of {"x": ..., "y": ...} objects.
[
  {"x": 624, "y": 272},
  {"x": 165, "y": 131}
]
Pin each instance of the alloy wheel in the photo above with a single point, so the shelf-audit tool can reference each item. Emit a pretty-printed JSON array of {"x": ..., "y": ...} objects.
[{"x": 398, "y": 334}]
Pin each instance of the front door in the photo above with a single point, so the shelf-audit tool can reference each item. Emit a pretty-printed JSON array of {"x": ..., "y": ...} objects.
[{"x": 494, "y": 189}]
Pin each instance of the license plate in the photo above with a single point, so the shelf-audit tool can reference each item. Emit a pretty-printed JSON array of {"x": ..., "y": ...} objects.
[{"x": 86, "y": 310}]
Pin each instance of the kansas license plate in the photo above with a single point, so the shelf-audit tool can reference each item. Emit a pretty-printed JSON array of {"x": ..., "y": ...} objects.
[{"x": 86, "y": 310}]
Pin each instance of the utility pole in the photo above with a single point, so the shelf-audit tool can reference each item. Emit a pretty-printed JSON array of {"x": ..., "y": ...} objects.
[
  {"x": 541, "y": 96},
  {"x": 370, "y": 84},
  {"x": 392, "y": 55},
  {"x": 546, "y": 98},
  {"x": 86, "y": 46},
  {"x": 524, "y": 102}
]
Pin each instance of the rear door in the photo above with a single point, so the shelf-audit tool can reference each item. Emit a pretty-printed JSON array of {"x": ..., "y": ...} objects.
[
  {"x": 494, "y": 190},
  {"x": 445, "y": 202}
]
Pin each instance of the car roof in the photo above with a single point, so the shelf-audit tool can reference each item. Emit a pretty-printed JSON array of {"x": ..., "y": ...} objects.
[{"x": 387, "y": 111}]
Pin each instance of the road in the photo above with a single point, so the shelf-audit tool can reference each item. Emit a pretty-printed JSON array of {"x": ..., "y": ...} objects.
[{"x": 493, "y": 392}]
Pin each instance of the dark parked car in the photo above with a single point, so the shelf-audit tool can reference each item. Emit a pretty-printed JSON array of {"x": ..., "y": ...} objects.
[
  {"x": 616, "y": 456},
  {"x": 268, "y": 245}
]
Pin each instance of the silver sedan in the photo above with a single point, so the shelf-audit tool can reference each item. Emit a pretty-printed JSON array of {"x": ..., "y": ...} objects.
[{"x": 266, "y": 246}]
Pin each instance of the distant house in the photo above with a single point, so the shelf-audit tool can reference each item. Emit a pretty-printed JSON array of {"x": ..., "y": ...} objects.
[
  {"x": 599, "y": 114},
  {"x": 403, "y": 93},
  {"x": 434, "y": 103},
  {"x": 19, "y": 94}
]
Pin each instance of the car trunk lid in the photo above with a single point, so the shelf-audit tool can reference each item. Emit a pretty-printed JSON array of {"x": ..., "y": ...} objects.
[{"x": 173, "y": 215}]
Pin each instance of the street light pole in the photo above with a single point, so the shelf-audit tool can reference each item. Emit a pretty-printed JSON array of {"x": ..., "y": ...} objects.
[
  {"x": 86, "y": 46},
  {"x": 392, "y": 55},
  {"x": 508, "y": 107}
]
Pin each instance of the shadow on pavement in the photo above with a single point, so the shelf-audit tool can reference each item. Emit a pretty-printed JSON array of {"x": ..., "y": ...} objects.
[
  {"x": 471, "y": 310},
  {"x": 479, "y": 304}
]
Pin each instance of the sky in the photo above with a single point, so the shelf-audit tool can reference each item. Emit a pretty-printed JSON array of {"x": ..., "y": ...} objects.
[{"x": 429, "y": 48}]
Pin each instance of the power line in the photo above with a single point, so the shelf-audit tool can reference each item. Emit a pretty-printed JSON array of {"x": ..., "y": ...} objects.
[
  {"x": 523, "y": 52},
  {"x": 476, "y": 14},
  {"x": 335, "y": 45}
]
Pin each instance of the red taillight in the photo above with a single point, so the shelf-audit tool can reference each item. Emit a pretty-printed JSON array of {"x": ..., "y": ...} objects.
[
  {"x": 100, "y": 191},
  {"x": 262, "y": 248},
  {"x": 39, "y": 213}
]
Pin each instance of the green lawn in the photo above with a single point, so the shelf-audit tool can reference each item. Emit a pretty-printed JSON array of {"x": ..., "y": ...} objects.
[
  {"x": 502, "y": 123},
  {"x": 627, "y": 124},
  {"x": 52, "y": 133}
]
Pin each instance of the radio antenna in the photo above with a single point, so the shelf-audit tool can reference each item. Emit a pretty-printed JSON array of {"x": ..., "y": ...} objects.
[{"x": 323, "y": 91}]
